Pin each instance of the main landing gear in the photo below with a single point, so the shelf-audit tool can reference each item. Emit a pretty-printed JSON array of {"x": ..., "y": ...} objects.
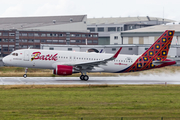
[
  {"x": 84, "y": 77},
  {"x": 25, "y": 75}
]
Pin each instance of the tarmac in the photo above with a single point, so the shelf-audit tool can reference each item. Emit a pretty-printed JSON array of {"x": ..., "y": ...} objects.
[{"x": 117, "y": 80}]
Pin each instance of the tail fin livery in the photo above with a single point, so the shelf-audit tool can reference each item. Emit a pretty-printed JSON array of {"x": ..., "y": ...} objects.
[
  {"x": 101, "y": 51},
  {"x": 157, "y": 52}
]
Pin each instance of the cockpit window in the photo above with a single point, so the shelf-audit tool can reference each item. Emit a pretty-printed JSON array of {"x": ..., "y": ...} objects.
[{"x": 14, "y": 54}]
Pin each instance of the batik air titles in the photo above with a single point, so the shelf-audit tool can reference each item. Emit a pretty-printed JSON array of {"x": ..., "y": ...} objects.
[{"x": 68, "y": 62}]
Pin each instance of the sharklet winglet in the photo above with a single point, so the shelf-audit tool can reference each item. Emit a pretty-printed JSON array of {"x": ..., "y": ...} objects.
[{"x": 117, "y": 53}]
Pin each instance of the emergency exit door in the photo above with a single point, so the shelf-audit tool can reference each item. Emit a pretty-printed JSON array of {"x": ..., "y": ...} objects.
[{"x": 26, "y": 55}]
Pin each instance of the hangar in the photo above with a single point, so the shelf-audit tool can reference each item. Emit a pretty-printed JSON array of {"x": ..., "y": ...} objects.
[
  {"x": 134, "y": 41},
  {"x": 149, "y": 34},
  {"x": 115, "y": 25},
  {"x": 24, "y": 32}
]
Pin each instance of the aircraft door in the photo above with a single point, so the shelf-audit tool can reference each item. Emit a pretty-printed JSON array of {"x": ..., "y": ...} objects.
[{"x": 26, "y": 55}]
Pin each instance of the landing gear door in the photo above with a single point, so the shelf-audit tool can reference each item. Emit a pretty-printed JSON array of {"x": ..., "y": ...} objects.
[{"x": 26, "y": 55}]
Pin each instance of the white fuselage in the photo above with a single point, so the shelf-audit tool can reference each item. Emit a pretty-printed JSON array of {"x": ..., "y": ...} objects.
[{"x": 49, "y": 59}]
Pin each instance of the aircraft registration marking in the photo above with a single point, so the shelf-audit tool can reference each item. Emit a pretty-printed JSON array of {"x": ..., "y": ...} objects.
[{"x": 120, "y": 64}]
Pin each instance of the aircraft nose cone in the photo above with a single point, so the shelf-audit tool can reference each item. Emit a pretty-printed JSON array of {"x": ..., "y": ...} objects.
[{"x": 4, "y": 60}]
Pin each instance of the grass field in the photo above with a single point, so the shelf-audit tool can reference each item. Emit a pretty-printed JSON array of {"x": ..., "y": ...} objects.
[
  {"x": 53, "y": 102},
  {"x": 140, "y": 102}
]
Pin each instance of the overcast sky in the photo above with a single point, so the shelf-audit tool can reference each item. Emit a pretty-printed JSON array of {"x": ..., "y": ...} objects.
[{"x": 92, "y": 8}]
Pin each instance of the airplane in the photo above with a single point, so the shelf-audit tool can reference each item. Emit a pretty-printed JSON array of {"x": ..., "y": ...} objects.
[{"x": 68, "y": 62}]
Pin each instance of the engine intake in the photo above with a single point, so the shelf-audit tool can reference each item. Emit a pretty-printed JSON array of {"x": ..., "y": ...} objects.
[{"x": 63, "y": 70}]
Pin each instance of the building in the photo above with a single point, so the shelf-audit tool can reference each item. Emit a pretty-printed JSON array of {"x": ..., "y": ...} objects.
[
  {"x": 127, "y": 49},
  {"x": 145, "y": 37},
  {"x": 107, "y": 26},
  {"x": 24, "y": 32},
  {"x": 149, "y": 34}
]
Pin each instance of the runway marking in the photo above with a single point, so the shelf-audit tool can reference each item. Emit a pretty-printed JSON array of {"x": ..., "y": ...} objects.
[
  {"x": 2, "y": 81},
  {"x": 19, "y": 80},
  {"x": 92, "y": 81}
]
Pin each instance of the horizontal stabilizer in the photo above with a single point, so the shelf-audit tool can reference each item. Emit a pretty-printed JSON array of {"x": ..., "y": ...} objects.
[
  {"x": 163, "y": 62},
  {"x": 159, "y": 62}
]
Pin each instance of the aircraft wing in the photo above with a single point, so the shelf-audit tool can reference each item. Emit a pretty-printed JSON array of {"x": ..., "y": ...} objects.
[{"x": 91, "y": 64}]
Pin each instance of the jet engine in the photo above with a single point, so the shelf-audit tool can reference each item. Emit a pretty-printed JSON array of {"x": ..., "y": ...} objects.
[{"x": 63, "y": 70}]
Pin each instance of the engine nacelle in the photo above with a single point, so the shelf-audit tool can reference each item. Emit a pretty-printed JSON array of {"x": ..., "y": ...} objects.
[{"x": 63, "y": 70}]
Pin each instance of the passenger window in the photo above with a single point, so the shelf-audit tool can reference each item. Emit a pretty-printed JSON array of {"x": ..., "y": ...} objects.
[{"x": 16, "y": 54}]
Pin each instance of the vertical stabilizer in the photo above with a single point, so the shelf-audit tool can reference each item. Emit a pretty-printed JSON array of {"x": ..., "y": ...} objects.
[{"x": 157, "y": 52}]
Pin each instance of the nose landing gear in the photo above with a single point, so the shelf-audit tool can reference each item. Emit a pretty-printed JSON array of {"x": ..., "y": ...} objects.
[{"x": 25, "y": 75}]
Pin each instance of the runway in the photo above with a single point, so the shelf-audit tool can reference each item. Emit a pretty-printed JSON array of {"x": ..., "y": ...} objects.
[{"x": 142, "y": 79}]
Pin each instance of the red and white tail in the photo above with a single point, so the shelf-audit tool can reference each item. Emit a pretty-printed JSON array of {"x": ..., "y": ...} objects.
[{"x": 157, "y": 52}]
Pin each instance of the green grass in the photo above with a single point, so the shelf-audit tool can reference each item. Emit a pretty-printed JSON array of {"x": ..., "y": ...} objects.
[{"x": 89, "y": 102}]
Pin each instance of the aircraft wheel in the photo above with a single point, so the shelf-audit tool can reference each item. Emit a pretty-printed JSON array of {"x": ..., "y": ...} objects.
[
  {"x": 24, "y": 75},
  {"x": 86, "y": 78},
  {"x": 82, "y": 77}
]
